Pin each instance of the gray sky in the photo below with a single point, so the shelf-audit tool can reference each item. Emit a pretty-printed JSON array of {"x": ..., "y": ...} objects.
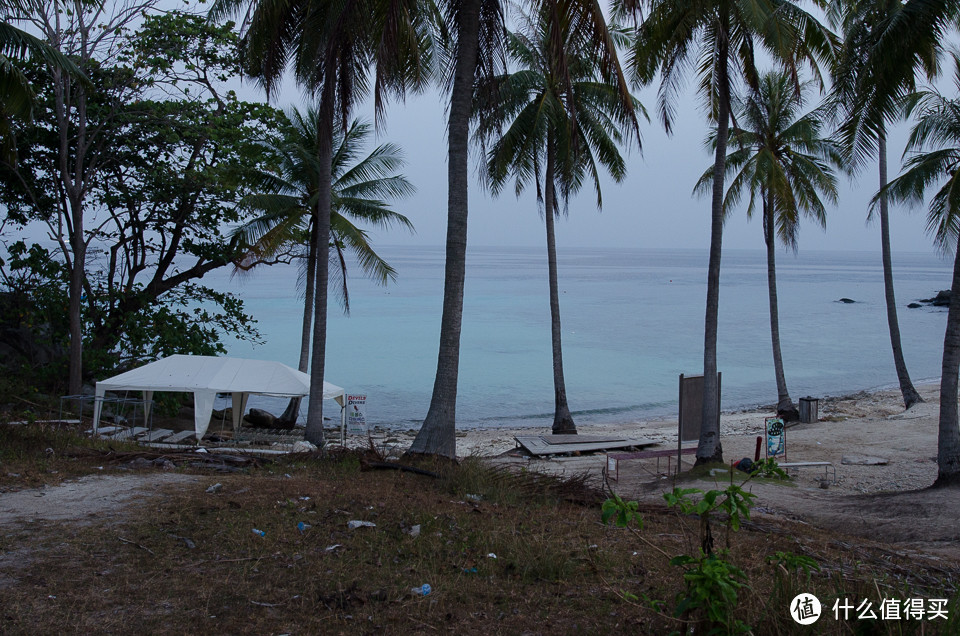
[{"x": 653, "y": 207}]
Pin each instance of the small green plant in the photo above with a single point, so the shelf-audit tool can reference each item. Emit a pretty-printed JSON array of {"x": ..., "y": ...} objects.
[
  {"x": 712, "y": 583},
  {"x": 768, "y": 469}
]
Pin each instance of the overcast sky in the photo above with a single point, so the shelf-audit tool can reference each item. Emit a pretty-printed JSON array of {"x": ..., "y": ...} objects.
[{"x": 653, "y": 207}]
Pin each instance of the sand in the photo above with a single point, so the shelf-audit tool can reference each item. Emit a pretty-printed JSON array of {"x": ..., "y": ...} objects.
[{"x": 891, "y": 500}]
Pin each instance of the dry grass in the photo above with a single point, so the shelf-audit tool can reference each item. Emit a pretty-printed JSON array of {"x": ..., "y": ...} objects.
[{"x": 189, "y": 562}]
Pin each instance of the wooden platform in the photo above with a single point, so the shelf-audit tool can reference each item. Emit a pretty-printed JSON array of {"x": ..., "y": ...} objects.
[{"x": 543, "y": 445}]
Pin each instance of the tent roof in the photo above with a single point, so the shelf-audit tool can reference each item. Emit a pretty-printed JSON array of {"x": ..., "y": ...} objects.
[{"x": 223, "y": 375}]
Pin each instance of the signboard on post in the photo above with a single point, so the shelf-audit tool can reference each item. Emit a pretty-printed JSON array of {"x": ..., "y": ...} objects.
[
  {"x": 776, "y": 437},
  {"x": 356, "y": 414}
]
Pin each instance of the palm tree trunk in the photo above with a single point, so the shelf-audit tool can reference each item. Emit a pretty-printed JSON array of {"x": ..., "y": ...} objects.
[
  {"x": 709, "y": 448},
  {"x": 562, "y": 419},
  {"x": 292, "y": 411},
  {"x": 910, "y": 394},
  {"x": 948, "y": 442},
  {"x": 314, "y": 432},
  {"x": 437, "y": 436},
  {"x": 784, "y": 403},
  {"x": 308, "y": 299}
]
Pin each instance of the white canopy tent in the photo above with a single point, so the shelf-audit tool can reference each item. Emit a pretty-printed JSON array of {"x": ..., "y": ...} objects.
[{"x": 206, "y": 376}]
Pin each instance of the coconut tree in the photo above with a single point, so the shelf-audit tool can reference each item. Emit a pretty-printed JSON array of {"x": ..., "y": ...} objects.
[
  {"x": 933, "y": 160},
  {"x": 553, "y": 122},
  {"x": 782, "y": 160},
  {"x": 475, "y": 51},
  {"x": 337, "y": 50},
  {"x": 718, "y": 38},
  {"x": 862, "y": 24},
  {"x": 17, "y": 47},
  {"x": 287, "y": 207}
]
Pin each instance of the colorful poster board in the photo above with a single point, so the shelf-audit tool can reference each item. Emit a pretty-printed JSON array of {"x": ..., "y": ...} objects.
[
  {"x": 776, "y": 434},
  {"x": 356, "y": 414}
]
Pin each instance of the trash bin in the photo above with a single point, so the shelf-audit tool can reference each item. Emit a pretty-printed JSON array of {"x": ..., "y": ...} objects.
[{"x": 808, "y": 410}]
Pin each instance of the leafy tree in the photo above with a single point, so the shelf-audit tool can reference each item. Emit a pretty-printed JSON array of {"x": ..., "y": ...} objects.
[
  {"x": 862, "y": 24},
  {"x": 781, "y": 159},
  {"x": 561, "y": 120},
  {"x": 287, "y": 204},
  {"x": 336, "y": 51},
  {"x": 174, "y": 153},
  {"x": 718, "y": 38},
  {"x": 933, "y": 157},
  {"x": 85, "y": 35}
]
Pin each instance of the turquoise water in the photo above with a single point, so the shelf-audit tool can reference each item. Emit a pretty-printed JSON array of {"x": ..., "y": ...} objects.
[{"x": 632, "y": 322}]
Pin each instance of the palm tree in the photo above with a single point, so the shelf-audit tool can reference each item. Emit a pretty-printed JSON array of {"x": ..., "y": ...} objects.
[
  {"x": 561, "y": 120},
  {"x": 17, "y": 96},
  {"x": 334, "y": 47},
  {"x": 862, "y": 24},
  {"x": 477, "y": 38},
  {"x": 934, "y": 157},
  {"x": 781, "y": 159},
  {"x": 718, "y": 38},
  {"x": 288, "y": 211}
]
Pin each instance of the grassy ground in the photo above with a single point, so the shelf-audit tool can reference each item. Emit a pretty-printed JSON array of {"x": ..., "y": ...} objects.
[{"x": 503, "y": 554}]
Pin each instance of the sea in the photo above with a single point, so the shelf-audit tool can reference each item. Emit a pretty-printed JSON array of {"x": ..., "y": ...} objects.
[{"x": 632, "y": 322}]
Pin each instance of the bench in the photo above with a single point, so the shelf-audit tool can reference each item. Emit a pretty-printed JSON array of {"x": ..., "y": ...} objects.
[
  {"x": 613, "y": 459},
  {"x": 829, "y": 472}
]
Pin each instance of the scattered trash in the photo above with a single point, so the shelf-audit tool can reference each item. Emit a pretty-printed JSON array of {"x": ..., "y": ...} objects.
[
  {"x": 745, "y": 464},
  {"x": 423, "y": 590},
  {"x": 491, "y": 556},
  {"x": 470, "y": 570},
  {"x": 301, "y": 526},
  {"x": 260, "y": 533},
  {"x": 200, "y": 450},
  {"x": 288, "y": 475},
  {"x": 215, "y": 488},
  {"x": 414, "y": 531},
  {"x": 593, "y": 546},
  {"x": 473, "y": 497},
  {"x": 303, "y": 446},
  {"x": 304, "y": 498},
  {"x": 331, "y": 548},
  {"x": 353, "y": 525}
]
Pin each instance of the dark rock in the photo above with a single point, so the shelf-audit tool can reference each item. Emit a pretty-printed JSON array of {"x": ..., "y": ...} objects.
[
  {"x": 942, "y": 299},
  {"x": 258, "y": 418},
  {"x": 789, "y": 415},
  {"x": 846, "y": 301},
  {"x": 914, "y": 306}
]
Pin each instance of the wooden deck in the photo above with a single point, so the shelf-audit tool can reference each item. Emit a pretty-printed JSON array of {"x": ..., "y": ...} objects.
[{"x": 544, "y": 445}]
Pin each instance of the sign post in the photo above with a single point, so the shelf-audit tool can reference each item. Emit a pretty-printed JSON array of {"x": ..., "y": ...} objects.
[
  {"x": 356, "y": 414},
  {"x": 776, "y": 435}
]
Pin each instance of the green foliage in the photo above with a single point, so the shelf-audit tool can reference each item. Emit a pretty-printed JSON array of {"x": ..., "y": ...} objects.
[
  {"x": 169, "y": 154},
  {"x": 712, "y": 586},
  {"x": 768, "y": 469},
  {"x": 623, "y": 512}
]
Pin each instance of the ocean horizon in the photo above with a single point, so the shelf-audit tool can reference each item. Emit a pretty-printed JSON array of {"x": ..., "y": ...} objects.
[{"x": 632, "y": 322}]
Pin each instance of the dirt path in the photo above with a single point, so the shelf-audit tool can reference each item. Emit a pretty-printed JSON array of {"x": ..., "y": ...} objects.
[{"x": 83, "y": 500}]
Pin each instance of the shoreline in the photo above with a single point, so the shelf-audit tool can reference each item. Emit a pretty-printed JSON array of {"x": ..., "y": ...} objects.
[{"x": 738, "y": 428}]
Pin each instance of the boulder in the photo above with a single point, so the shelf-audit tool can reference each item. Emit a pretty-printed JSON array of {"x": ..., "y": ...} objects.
[
  {"x": 942, "y": 299},
  {"x": 914, "y": 306},
  {"x": 846, "y": 301},
  {"x": 258, "y": 418}
]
